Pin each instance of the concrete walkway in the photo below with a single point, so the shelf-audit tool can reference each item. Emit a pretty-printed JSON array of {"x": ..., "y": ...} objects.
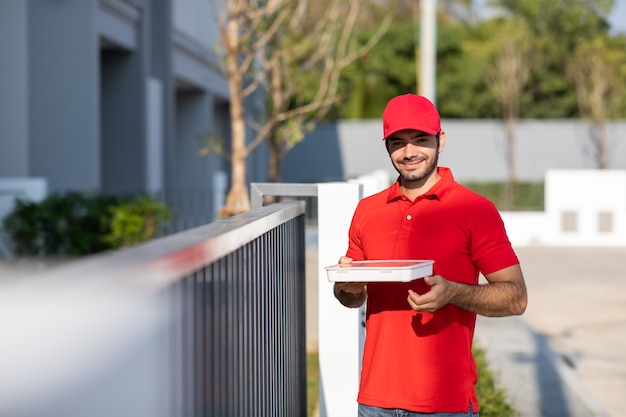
[{"x": 566, "y": 356}]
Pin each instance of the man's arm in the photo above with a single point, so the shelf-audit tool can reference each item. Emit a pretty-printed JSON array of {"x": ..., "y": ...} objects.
[{"x": 504, "y": 295}]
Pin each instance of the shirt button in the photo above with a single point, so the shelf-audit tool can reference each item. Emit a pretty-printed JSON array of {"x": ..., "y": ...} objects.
[{"x": 408, "y": 217}]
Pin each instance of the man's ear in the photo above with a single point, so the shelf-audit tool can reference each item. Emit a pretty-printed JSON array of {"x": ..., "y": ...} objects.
[{"x": 442, "y": 141}]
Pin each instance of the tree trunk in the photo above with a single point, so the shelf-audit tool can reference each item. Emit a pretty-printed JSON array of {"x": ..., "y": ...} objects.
[
  {"x": 510, "y": 159},
  {"x": 510, "y": 148},
  {"x": 274, "y": 160},
  {"x": 237, "y": 200},
  {"x": 603, "y": 148}
]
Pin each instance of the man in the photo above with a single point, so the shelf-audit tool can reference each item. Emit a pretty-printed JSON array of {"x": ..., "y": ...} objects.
[{"x": 418, "y": 349}]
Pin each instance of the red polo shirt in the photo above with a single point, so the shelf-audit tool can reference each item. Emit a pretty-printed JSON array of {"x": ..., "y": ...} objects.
[{"x": 423, "y": 362}]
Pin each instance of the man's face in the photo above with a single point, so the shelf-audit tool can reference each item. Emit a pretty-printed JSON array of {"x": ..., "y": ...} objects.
[{"x": 414, "y": 154}]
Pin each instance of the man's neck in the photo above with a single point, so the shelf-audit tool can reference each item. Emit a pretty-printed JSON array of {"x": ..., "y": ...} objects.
[{"x": 414, "y": 189}]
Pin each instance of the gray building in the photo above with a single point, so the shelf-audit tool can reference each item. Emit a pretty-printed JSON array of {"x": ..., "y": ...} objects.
[{"x": 112, "y": 96}]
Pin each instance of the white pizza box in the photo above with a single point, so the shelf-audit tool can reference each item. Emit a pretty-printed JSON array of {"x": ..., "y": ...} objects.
[{"x": 404, "y": 270}]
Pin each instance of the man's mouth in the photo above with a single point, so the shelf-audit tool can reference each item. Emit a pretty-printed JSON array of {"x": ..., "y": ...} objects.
[{"x": 412, "y": 163}]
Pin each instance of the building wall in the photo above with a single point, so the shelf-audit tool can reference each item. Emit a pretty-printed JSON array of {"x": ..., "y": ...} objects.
[
  {"x": 112, "y": 95},
  {"x": 13, "y": 89},
  {"x": 63, "y": 89}
]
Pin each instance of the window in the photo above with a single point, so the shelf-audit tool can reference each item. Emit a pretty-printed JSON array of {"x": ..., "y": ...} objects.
[
  {"x": 605, "y": 222},
  {"x": 569, "y": 221}
]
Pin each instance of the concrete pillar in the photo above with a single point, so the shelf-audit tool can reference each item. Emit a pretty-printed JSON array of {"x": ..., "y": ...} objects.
[
  {"x": 428, "y": 49},
  {"x": 14, "y": 88},
  {"x": 63, "y": 93}
]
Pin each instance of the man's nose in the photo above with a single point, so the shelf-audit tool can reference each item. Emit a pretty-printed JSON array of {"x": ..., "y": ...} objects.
[{"x": 410, "y": 150}]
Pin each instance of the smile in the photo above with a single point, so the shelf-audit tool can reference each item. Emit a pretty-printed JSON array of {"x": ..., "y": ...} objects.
[{"x": 412, "y": 163}]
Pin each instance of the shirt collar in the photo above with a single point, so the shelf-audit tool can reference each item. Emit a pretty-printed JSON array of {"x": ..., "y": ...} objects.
[{"x": 440, "y": 190}]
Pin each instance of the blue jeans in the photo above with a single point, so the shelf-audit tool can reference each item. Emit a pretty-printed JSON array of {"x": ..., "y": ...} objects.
[{"x": 369, "y": 411}]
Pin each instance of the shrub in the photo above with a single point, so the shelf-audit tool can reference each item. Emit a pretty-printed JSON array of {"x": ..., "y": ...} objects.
[
  {"x": 511, "y": 196},
  {"x": 491, "y": 397},
  {"x": 76, "y": 224},
  {"x": 136, "y": 221}
]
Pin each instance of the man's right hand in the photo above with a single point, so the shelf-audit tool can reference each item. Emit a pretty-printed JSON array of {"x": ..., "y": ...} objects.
[{"x": 350, "y": 294}]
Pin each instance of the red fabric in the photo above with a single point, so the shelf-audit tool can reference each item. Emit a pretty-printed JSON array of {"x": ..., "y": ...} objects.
[
  {"x": 422, "y": 362},
  {"x": 410, "y": 112}
]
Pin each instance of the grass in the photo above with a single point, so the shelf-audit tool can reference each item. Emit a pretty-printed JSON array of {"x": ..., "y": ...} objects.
[
  {"x": 313, "y": 382},
  {"x": 492, "y": 398}
]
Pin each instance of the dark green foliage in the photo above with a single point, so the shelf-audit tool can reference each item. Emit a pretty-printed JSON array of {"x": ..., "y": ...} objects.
[
  {"x": 557, "y": 27},
  {"x": 461, "y": 89},
  {"x": 388, "y": 70},
  {"x": 512, "y": 196},
  {"x": 491, "y": 397},
  {"x": 75, "y": 224}
]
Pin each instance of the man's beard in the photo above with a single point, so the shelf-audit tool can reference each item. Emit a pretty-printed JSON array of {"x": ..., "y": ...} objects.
[{"x": 420, "y": 174}]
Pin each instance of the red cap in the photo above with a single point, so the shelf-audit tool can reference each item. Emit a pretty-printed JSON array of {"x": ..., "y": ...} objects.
[{"x": 410, "y": 112}]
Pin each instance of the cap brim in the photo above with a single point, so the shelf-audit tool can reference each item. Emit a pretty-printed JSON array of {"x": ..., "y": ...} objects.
[{"x": 412, "y": 126}]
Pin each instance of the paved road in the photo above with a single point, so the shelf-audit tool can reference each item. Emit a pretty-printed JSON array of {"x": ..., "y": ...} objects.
[{"x": 577, "y": 300}]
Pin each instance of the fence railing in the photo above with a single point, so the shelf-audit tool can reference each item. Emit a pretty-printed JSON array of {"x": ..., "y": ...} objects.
[{"x": 206, "y": 322}]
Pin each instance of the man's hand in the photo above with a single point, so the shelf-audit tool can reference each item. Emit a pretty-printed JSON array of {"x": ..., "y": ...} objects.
[
  {"x": 504, "y": 295},
  {"x": 440, "y": 294},
  {"x": 350, "y": 294}
]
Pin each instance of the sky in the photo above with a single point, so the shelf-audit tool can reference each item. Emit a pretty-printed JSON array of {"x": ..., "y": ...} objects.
[{"x": 617, "y": 18}]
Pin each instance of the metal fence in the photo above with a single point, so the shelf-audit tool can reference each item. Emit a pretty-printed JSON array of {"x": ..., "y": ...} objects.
[
  {"x": 206, "y": 322},
  {"x": 194, "y": 207}
]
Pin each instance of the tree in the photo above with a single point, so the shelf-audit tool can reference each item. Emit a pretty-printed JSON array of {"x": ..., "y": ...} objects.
[
  {"x": 598, "y": 69},
  {"x": 276, "y": 47},
  {"x": 390, "y": 67},
  {"x": 507, "y": 73},
  {"x": 557, "y": 28},
  {"x": 302, "y": 68},
  {"x": 505, "y": 61}
]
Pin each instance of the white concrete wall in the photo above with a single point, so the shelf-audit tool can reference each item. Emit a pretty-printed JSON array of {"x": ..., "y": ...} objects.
[
  {"x": 586, "y": 196},
  {"x": 582, "y": 208},
  {"x": 475, "y": 150},
  {"x": 525, "y": 227}
]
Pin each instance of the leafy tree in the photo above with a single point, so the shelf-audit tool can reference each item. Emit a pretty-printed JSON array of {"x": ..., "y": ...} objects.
[
  {"x": 302, "y": 68},
  {"x": 461, "y": 84},
  {"x": 387, "y": 70},
  {"x": 558, "y": 27},
  {"x": 277, "y": 47},
  {"x": 506, "y": 61},
  {"x": 598, "y": 69},
  {"x": 390, "y": 67}
]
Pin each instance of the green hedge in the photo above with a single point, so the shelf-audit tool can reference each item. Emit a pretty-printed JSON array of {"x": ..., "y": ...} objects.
[
  {"x": 512, "y": 196},
  {"x": 491, "y": 397},
  {"x": 77, "y": 224}
]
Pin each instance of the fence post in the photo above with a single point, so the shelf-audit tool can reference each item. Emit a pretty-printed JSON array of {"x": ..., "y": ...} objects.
[{"x": 339, "y": 328}]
